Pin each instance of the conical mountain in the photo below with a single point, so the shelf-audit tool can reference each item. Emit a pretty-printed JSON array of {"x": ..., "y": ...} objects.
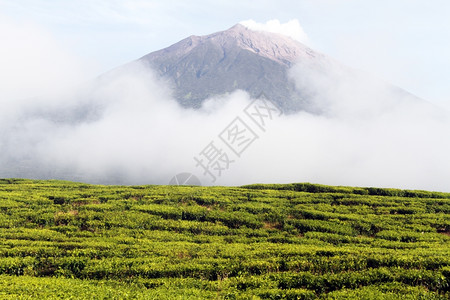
[{"x": 239, "y": 58}]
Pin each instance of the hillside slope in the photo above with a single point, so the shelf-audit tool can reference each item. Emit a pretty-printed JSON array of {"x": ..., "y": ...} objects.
[{"x": 297, "y": 241}]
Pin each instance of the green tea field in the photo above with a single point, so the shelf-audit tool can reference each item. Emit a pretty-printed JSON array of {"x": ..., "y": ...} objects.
[{"x": 64, "y": 240}]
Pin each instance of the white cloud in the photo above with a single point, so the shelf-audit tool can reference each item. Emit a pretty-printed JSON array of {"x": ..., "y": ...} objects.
[
  {"x": 139, "y": 134},
  {"x": 291, "y": 28}
]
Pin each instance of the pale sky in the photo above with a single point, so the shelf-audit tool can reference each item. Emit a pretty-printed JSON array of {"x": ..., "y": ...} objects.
[{"x": 405, "y": 42}]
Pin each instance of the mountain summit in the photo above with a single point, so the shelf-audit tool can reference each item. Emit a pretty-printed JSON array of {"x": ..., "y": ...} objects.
[{"x": 238, "y": 58}]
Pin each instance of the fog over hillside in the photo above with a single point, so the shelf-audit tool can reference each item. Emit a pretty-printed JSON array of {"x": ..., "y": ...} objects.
[{"x": 128, "y": 127}]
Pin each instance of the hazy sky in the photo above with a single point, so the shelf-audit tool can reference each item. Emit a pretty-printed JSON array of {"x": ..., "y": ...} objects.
[{"x": 406, "y": 42}]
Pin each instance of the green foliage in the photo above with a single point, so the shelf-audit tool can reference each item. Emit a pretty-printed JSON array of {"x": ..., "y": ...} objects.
[{"x": 65, "y": 240}]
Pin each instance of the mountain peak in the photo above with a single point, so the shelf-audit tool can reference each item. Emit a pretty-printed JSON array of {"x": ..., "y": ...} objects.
[
  {"x": 237, "y": 58},
  {"x": 275, "y": 46},
  {"x": 238, "y": 27}
]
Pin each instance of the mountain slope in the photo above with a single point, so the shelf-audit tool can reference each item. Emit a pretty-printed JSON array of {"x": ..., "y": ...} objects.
[{"x": 238, "y": 58}]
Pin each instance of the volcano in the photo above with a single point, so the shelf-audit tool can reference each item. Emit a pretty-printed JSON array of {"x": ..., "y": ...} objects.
[{"x": 200, "y": 67}]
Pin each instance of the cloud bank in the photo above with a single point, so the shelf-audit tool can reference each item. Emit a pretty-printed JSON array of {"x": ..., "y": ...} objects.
[{"x": 126, "y": 128}]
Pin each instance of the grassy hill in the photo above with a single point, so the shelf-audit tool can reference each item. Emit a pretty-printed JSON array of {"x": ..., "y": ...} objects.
[{"x": 296, "y": 241}]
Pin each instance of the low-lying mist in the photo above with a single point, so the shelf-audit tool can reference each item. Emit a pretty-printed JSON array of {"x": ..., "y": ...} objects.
[{"x": 126, "y": 128}]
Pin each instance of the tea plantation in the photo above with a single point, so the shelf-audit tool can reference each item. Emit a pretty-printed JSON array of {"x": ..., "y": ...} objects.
[{"x": 64, "y": 240}]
